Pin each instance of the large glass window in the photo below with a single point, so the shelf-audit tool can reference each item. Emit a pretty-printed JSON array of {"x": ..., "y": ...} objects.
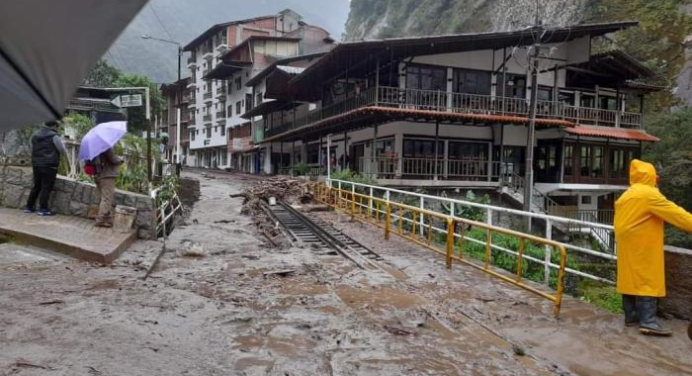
[
  {"x": 585, "y": 161},
  {"x": 468, "y": 150},
  {"x": 471, "y": 81},
  {"x": 426, "y": 78},
  {"x": 422, "y": 149}
]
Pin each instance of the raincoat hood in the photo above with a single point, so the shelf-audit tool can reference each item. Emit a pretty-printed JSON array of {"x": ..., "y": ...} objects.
[{"x": 642, "y": 173}]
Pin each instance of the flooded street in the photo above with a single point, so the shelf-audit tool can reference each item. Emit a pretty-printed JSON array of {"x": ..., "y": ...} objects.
[{"x": 223, "y": 301}]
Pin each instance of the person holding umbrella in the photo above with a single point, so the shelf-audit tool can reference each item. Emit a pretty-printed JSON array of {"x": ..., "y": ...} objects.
[{"x": 102, "y": 163}]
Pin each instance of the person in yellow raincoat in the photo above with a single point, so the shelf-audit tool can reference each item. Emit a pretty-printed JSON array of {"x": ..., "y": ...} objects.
[{"x": 640, "y": 214}]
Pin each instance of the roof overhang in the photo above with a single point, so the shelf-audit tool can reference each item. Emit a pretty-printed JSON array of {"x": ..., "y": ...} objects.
[
  {"x": 369, "y": 116},
  {"x": 609, "y": 132},
  {"x": 269, "y": 107},
  {"x": 226, "y": 69}
]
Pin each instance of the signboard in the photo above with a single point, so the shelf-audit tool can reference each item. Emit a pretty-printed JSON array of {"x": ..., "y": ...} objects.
[
  {"x": 240, "y": 144},
  {"x": 134, "y": 100}
]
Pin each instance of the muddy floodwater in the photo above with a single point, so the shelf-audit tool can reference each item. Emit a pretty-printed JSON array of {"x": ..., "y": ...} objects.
[{"x": 225, "y": 302}]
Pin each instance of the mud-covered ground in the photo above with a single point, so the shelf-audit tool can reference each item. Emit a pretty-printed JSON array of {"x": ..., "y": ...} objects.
[{"x": 223, "y": 302}]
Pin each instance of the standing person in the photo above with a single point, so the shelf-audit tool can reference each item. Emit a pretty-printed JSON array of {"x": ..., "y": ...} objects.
[
  {"x": 105, "y": 181},
  {"x": 640, "y": 214},
  {"x": 46, "y": 148}
]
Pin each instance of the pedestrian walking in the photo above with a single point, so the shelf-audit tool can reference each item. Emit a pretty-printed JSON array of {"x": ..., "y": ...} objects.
[
  {"x": 105, "y": 182},
  {"x": 46, "y": 149},
  {"x": 640, "y": 214}
]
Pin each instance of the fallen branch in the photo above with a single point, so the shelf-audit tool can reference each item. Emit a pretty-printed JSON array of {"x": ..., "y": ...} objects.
[{"x": 27, "y": 364}]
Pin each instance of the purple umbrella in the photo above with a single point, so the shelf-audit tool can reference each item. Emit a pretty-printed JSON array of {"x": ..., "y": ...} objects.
[{"x": 101, "y": 138}]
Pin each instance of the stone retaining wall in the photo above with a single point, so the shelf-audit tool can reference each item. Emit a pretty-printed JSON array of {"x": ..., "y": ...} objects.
[
  {"x": 678, "y": 301},
  {"x": 71, "y": 197}
]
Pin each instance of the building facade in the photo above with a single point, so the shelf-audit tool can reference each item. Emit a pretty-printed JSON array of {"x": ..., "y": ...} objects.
[
  {"x": 453, "y": 111},
  {"x": 177, "y": 96},
  {"x": 223, "y": 59}
]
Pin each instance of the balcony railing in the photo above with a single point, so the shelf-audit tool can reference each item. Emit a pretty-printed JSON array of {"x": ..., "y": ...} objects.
[
  {"x": 192, "y": 100},
  {"x": 430, "y": 168},
  {"x": 191, "y": 61},
  {"x": 441, "y": 101},
  {"x": 221, "y": 90},
  {"x": 221, "y": 115},
  {"x": 207, "y": 95},
  {"x": 206, "y": 118}
]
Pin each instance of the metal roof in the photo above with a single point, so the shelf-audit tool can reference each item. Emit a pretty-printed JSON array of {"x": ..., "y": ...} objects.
[
  {"x": 290, "y": 70},
  {"x": 265, "y": 72}
]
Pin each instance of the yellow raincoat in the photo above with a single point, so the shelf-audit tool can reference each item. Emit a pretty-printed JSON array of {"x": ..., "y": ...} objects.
[{"x": 639, "y": 217}]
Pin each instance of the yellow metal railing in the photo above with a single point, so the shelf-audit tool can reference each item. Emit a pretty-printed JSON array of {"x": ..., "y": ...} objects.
[{"x": 420, "y": 226}]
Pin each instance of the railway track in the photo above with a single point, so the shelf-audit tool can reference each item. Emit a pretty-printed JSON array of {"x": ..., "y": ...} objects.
[{"x": 316, "y": 232}]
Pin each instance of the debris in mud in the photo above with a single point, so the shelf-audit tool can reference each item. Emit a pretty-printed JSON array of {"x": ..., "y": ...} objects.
[
  {"x": 26, "y": 364},
  {"x": 51, "y": 302},
  {"x": 280, "y": 273},
  {"x": 397, "y": 331},
  {"x": 224, "y": 221},
  {"x": 191, "y": 249},
  {"x": 518, "y": 350}
]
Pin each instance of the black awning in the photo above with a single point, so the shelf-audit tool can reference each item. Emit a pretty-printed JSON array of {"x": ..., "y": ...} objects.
[{"x": 269, "y": 107}]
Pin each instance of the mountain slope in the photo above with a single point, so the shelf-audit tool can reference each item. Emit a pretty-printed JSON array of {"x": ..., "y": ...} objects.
[{"x": 183, "y": 20}]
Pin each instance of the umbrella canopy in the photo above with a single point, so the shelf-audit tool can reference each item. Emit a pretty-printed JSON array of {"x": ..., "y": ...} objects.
[
  {"x": 101, "y": 138},
  {"x": 46, "y": 50}
]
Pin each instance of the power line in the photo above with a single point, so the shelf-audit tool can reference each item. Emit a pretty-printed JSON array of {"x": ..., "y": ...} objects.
[{"x": 151, "y": 6}]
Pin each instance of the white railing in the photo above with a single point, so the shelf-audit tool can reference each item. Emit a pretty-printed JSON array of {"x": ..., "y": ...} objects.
[
  {"x": 167, "y": 210},
  {"x": 427, "y": 168},
  {"x": 428, "y": 202}
]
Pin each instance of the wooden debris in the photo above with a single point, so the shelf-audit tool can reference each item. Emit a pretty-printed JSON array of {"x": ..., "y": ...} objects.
[
  {"x": 51, "y": 302},
  {"x": 27, "y": 364},
  {"x": 397, "y": 331},
  {"x": 280, "y": 273}
]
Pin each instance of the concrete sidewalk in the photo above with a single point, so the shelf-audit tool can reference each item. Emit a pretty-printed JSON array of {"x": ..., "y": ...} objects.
[{"x": 72, "y": 236}]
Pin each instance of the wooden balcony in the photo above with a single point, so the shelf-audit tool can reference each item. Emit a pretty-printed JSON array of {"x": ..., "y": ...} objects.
[{"x": 444, "y": 102}]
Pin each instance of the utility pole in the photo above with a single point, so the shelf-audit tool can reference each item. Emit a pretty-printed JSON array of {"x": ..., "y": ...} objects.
[{"x": 528, "y": 182}]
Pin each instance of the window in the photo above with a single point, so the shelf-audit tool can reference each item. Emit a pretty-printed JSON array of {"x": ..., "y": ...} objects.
[
  {"x": 208, "y": 132},
  {"x": 516, "y": 86},
  {"x": 224, "y": 158},
  {"x": 423, "y": 149},
  {"x": 591, "y": 161},
  {"x": 238, "y": 104},
  {"x": 569, "y": 161},
  {"x": 545, "y": 94},
  {"x": 192, "y": 135},
  {"x": 229, "y": 88},
  {"x": 597, "y": 171},
  {"x": 248, "y": 102},
  {"x": 223, "y": 130},
  {"x": 620, "y": 159},
  {"x": 468, "y": 150},
  {"x": 238, "y": 83},
  {"x": 586, "y": 101},
  {"x": 384, "y": 147},
  {"x": 586, "y": 200},
  {"x": 426, "y": 78},
  {"x": 259, "y": 98},
  {"x": 229, "y": 111},
  {"x": 471, "y": 82},
  {"x": 585, "y": 161}
]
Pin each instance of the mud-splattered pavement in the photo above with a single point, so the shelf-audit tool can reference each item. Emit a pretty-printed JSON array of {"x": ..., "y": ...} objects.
[{"x": 223, "y": 302}]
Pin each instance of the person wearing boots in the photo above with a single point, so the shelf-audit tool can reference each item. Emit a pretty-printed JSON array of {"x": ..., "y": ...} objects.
[
  {"x": 640, "y": 214},
  {"x": 105, "y": 182},
  {"x": 46, "y": 148}
]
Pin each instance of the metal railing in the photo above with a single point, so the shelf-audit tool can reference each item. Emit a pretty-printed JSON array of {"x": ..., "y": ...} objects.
[
  {"x": 221, "y": 115},
  {"x": 442, "y": 101},
  {"x": 389, "y": 194},
  {"x": 166, "y": 211},
  {"x": 444, "y": 234},
  {"x": 207, "y": 95},
  {"x": 470, "y": 169},
  {"x": 206, "y": 118}
]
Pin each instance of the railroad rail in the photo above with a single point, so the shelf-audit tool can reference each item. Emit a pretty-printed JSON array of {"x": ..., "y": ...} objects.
[{"x": 315, "y": 232}]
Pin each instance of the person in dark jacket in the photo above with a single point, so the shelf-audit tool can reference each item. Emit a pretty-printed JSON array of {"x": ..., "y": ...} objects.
[
  {"x": 105, "y": 182},
  {"x": 46, "y": 148}
]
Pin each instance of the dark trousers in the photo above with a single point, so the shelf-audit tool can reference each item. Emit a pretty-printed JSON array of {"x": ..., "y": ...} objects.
[{"x": 44, "y": 180}]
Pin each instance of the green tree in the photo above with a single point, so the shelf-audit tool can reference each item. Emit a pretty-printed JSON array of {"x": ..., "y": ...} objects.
[
  {"x": 103, "y": 75},
  {"x": 673, "y": 159},
  {"x": 136, "y": 116},
  {"x": 79, "y": 123}
]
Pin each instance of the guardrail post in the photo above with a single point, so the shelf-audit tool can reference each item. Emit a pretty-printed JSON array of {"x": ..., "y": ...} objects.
[
  {"x": 489, "y": 217},
  {"x": 450, "y": 241},
  {"x": 547, "y": 256},
  {"x": 422, "y": 216},
  {"x": 353, "y": 202},
  {"x": 370, "y": 203},
  {"x": 387, "y": 220}
]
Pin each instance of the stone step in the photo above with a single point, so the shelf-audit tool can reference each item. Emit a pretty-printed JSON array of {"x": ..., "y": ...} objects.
[{"x": 69, "y": 235}]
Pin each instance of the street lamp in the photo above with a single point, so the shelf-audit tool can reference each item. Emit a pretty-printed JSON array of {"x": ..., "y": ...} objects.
[{"x": 178, "y": 115}]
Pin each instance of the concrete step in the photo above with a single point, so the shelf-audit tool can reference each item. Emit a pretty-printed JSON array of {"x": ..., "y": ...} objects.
[{"x": 72, "y": 236}]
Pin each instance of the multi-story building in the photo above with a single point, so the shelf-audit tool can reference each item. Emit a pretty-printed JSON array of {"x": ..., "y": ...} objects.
[
  {"x": 453, "y": 111},
  {"x": 222, "y": 60},
  {"x": 177, "y": 96}
]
